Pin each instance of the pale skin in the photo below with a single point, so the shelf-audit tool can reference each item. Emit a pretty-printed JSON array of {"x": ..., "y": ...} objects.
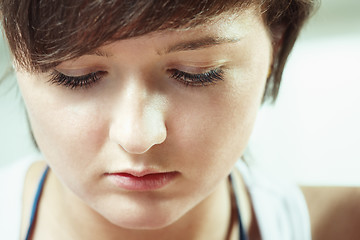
[{"x": 137, "y": 116}]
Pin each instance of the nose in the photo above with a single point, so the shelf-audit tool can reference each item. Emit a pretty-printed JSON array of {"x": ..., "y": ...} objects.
[{"x": 138, "y": 121}]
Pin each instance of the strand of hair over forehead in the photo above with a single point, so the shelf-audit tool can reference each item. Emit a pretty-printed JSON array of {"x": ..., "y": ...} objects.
[{"x": 55, "y": 31}]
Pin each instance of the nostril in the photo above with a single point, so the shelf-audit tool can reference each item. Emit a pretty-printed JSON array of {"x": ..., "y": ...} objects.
[
  {"x": 135, "y": 148},
  {"x": 136, "y": 139}
]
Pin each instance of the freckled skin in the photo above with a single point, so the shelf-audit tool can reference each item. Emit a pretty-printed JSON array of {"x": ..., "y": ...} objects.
[{"x": 138, "y": 116}]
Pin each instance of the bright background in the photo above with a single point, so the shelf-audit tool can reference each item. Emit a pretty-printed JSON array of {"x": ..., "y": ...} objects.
[{"x": 310, "y": 136}]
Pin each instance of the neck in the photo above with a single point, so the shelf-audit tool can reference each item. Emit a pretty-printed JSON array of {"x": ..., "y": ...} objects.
[{"x": 210, "y": 219}]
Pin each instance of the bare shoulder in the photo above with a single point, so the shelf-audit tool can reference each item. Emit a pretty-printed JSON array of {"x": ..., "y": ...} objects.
[
  {"x": 35, "y": 170},
  {"x": 334, "y": 211}
]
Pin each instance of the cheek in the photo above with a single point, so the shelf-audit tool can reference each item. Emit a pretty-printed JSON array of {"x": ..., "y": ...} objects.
[
  {"x": 213, "y": 133},
  {"x": 63, "y": 131},
  {"x": 67, "y": 132}
]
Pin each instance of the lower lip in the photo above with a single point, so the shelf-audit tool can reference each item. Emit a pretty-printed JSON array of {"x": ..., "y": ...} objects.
[{"x": 147, "y": 182}]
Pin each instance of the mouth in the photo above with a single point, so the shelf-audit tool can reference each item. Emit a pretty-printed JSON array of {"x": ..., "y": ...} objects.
[{"x": 141, "y": 181}]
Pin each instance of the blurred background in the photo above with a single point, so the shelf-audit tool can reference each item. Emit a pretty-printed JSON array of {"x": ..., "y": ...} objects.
[{"x": 310, "y": 136}]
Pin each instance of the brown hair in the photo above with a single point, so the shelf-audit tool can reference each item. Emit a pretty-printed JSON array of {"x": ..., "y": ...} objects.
[{"x": 42, "y": 34}]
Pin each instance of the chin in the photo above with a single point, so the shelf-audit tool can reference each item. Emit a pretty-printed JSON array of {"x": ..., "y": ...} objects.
[
  {"x": 150, "y": 222},
  {"x": 140, "y": 211},
  {"x": 142, "y": 217}
]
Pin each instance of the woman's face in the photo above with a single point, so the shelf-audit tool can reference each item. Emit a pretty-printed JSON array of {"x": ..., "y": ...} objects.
[{"x": 159, "y": 121}]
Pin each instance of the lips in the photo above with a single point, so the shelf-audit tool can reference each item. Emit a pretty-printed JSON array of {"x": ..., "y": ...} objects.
[{"x": 141, "y": 181}]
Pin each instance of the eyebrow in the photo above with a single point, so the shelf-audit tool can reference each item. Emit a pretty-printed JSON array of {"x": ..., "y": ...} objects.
[
  {"x": 99, "y": 53},
  {"x": 196, "y": 44}
]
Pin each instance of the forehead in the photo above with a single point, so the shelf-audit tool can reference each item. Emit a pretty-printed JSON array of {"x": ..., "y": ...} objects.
[
  {"x": 225, "y": 24},
  {"x": 224, "y": 28}
]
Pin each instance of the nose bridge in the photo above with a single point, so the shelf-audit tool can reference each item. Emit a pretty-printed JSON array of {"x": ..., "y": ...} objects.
[{"x": 138, "y": 120}]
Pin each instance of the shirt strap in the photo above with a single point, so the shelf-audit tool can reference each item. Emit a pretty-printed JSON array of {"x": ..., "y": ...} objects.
[
  {"x": 235, "y": 185},
  {"x": 36, "y": 203}
]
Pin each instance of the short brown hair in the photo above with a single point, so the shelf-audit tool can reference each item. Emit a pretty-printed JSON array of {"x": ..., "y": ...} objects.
[{"x": 42, "y": 34}]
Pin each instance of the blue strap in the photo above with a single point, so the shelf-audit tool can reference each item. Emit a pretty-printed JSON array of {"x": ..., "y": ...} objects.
[
  {"x": 36, "y": 203},
  {"x": 242, "y": 232}
]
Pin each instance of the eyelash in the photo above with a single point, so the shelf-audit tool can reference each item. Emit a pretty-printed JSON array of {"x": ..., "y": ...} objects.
[
  {"x": 199, "y": 79},
  {"x": 188, "y": 79},
  {"x": 71, "y": 82}
]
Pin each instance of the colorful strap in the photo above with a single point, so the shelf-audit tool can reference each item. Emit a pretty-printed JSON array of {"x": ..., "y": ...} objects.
[
  {"x": 242, "y": 232},
  {"x": 36, "y": 204}
]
